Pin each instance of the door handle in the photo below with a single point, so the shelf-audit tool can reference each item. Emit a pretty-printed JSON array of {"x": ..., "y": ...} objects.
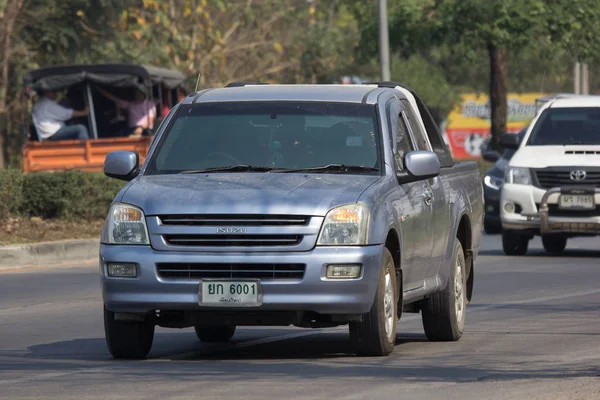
[{"x": 428, "y": 197}]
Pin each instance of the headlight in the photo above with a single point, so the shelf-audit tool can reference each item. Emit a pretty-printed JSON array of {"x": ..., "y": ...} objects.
[
  {"x": 493, "y": 182},
  {"x": 345, "y": 226},
  {"x": 518, "y": 175},
  {"x": 125, "y": 224}
]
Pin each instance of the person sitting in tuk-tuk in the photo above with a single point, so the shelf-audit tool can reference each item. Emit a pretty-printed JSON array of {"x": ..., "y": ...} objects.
[
  {"x": 142, "y": 111},
  {"x": 49, "y": 119}
]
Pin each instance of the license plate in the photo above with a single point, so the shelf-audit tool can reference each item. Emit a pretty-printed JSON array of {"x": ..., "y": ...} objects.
[
  {"x": 576, "y": 201},
  {"x": 223, "y": 293}
]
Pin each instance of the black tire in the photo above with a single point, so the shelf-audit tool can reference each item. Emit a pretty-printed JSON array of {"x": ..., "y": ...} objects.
[
  {"x": 370, "y": 337},
  {"x": 442, "y": 313},
  {"x": 554, "y": 244},
  {"x": 514, "y": 244},
  {"x": 127, "y": 339},
  {"x": 492, "y": 228},
  {"x": 214, "y": 333}
]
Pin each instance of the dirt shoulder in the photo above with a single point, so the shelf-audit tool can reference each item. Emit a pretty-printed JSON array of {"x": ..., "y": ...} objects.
[{"x": 35, "y": 230}]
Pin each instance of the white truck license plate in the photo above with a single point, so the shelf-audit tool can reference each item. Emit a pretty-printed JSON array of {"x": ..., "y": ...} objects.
[
  {"x": 576, "y": 201},
  {"x": 230, "y": 293}
]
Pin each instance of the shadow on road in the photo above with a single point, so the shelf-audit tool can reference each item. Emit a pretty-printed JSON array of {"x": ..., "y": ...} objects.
[
  {"x": 309, "y": 357},
  {"x": 538, "y": 253}
]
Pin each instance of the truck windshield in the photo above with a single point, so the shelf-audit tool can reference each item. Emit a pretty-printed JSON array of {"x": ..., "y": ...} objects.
[
  {"x": 567, "y": 126},
  {"x": 263, "y": 137}
]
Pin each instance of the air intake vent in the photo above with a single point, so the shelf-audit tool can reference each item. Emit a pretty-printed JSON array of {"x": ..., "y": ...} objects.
[
  {"x": 583, "y": 152},
  {"x": 230, "y": 271}
]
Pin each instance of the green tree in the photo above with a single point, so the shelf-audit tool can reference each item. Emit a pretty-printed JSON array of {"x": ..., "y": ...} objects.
[{"x": 445, "y": 31}]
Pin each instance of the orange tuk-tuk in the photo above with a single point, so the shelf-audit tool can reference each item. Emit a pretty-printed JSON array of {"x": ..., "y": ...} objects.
[{"x": 106, "y": 122}]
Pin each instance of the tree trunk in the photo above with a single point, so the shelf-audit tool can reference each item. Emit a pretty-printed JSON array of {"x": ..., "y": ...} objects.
[
  {"x": 11, "y": 12},
  {"x": 498, "y": 92},
  {"x": 2, "y": 161}
]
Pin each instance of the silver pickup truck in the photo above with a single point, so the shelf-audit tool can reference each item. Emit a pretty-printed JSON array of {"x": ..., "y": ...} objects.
[{"x": 276, "y": 205}]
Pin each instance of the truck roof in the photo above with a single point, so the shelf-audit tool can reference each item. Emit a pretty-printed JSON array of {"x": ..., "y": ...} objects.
[
  {"x": 287, "y": 92},
  {"x": 576, "y": 101}
]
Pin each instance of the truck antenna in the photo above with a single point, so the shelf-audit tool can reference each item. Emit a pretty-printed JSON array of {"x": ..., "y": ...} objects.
[{"x": 197, "y": 82}]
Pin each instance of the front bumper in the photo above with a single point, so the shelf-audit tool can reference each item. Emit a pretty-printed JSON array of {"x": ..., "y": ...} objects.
[
  {"x": 313, "y": 293},
  {"x": 535, "y": 210}
]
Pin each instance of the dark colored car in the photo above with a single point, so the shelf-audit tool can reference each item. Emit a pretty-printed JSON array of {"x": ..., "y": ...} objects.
[{"x": 492, "y": 184}]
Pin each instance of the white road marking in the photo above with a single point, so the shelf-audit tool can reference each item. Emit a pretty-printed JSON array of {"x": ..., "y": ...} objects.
[
  {"x": 51, "y": 375},
  {"x": 268, "y": 340}
]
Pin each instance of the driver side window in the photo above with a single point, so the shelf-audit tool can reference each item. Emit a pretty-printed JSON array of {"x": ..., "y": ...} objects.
[{"x": 403, "y": 144}]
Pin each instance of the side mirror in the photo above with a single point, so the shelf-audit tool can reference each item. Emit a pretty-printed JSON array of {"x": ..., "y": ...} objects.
[
  {"x": 491, "y": 156},
  {"x": 510, "y": 141},
  {"x": 419, "y": 165},
  {"x": 122, "y": 164}
]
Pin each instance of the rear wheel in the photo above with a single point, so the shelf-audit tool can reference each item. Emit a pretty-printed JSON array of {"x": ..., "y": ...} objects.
[
  {"x": 555, "y": 243},
  {"x": 514, "y": 244},
  {"x": 214, "y": 333},
  {"x": 375, "y": 335},
  {"x": 444, "y": 312},
  {"x": 127, "y": 339}
]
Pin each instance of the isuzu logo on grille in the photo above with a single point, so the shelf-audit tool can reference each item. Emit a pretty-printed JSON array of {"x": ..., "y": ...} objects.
[
  {"x": 578, "y": 175},
  {"x": 232, "y": 230}
]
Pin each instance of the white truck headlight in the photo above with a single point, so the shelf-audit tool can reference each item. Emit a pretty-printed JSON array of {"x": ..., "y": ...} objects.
[
  {"x": 345, "y": 226},
  {"x": 493, "y": 182},
  {"x": 518, "y": 175},
  {"x": 125, "y": 224}
]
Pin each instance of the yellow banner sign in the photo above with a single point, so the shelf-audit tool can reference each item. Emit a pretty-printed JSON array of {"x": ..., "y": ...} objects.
[{"x": 468, "y": 125}]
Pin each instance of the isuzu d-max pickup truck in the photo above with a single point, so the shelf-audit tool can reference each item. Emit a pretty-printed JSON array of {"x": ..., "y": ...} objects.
[
  {"x": 551, "y": 184},
  {"x": 276, "y": 205}
]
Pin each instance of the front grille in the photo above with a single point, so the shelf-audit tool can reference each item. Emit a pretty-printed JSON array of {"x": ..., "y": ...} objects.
[
  {"x": 230, "y": 271},
  {"x": 554, "y": 211},
  {"x": 235, "y": 220},
  {"x": 554, "y": 177},
  {"x": 199, "y": 240}
]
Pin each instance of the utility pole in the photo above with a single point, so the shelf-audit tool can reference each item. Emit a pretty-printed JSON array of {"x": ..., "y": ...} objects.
[
  {"x": 577, "y": 78},
  {"x": 384, "y": 41},
  {"x": 585, "y": 83},
  {"x": 581, "y": 81}
]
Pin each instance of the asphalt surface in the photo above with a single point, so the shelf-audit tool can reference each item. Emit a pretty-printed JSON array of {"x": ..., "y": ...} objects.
[{"x": 532, "y": 332}]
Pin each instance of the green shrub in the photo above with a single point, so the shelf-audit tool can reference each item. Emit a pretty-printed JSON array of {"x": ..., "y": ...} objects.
[
  {"x": 71, "y": 194},
  {"x": 11, "y": 191}
]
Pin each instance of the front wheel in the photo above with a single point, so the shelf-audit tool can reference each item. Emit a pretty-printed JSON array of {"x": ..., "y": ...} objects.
[
  {"x": 214, "y": 333},
  {"x": 444, "y": 313},
  {"x": 514, "y": 244},
  {"x": 492, "y": 228},
  {"x": 127, "y": 339},
  {"x": 375, "y": 335},
  {"x": 554, "y": 244}
]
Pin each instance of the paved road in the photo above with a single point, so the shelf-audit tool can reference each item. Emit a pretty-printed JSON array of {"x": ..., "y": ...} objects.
[{"x": 533, "y": 332}]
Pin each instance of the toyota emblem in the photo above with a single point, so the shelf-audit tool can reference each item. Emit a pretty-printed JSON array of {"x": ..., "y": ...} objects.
[{"x": 578, "y": 175}]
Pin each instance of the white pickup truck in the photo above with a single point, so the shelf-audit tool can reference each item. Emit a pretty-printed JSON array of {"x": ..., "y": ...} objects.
[{"x": 551, "y": 183}]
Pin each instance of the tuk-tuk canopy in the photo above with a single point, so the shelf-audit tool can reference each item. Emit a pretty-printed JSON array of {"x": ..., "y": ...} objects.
[{"x": 116, "y": 75}]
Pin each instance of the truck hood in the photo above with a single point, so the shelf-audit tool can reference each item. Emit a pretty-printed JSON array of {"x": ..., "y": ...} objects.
[
  {"x": 556, "y": 156},
  {"x": 245, "y": 193}
]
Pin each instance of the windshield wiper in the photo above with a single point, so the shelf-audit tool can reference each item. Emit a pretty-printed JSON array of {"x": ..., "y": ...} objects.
[
  {"x": 331, "y": 168},
  {"x": 229, "y": 168}
]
